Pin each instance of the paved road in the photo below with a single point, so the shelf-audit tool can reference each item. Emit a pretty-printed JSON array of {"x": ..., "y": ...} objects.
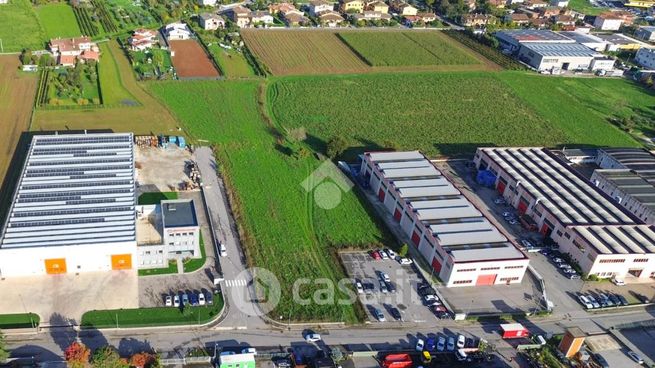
[{"x": 241, "y": 312}]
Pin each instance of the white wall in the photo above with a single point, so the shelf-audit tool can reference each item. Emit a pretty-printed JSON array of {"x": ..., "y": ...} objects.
[
  {"x": 460, "y": 273},
  {"x": 94, "y": 257}
]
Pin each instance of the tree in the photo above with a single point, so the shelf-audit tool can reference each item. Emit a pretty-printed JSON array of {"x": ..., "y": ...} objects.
[
  {"x": 77, "y": 355},
  {"x": 390, "y": 145},
  {"x": 403, "y": 250},
  {"x": 4, "y": 353},
  {"x": 26, "y": 56},
  {"x": 336, "y": 145},
  {"x": 143, "y": 360},
  {"x": 107, "y": 357}
]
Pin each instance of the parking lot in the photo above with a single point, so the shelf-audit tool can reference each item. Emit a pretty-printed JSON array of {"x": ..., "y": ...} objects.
[
  {"x": 642, "y": 339},
  {"x": 361, "y": 266},
  {"x": 153, "y": 289}
]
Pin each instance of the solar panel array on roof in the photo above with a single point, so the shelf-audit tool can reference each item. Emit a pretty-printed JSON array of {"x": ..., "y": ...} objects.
[
  {"x": 74, "y": 189},
  {"x": 567, "y": 196},
  {"x": 457, "y": 224},
  {"x": 561, "y": 49}
]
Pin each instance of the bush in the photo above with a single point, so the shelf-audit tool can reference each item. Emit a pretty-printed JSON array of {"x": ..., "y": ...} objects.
[{"x": 336, "y": 145}]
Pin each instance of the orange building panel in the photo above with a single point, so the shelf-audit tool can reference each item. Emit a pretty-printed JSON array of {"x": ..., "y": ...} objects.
[
  {"x": 121, "y": 261},
  {"x": 55, "y": 266}
]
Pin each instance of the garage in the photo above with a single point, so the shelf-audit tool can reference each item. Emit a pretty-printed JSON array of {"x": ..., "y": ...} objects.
[
  {"x": 397, "y": 215},
  {"x": 486, "y": 280},
  {"x": 55, "y": 266},
  {"x": 501, "y": 186},
  {"x": 436, "y": 265},
  {"x": 121, "y": 261},
  {"x": 416, "y": 238},
  {"x": 381, "y": 194},
  {"x": 523, "y": 206}
]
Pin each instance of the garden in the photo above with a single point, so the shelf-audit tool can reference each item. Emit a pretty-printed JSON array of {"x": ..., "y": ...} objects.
[
  {"x": 223, "y": 46},
  {"x": 76, "y": 86},
  {"x": 154, "y": 63}
]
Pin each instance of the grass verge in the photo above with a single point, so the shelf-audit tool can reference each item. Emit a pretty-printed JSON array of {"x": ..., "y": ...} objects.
[
  {"x": 19, "y": 320},
  {"x": 172, "y": 268},
  {"x": 155, "y": 197},
  {"x": 194, "y": 264}
]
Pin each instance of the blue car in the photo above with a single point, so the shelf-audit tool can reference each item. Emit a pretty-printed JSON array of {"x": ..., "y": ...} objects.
[
  {"x": 193, "y": 298},
  {"x": 431, "y": 344}
]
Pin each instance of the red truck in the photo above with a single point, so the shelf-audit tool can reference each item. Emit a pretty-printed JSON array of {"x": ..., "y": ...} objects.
[
  {"x": 397, "y": 361},
  {"x": 513, "y": 331}
]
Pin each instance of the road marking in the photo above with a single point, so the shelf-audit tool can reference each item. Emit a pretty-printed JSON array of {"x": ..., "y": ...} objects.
[{"x": 238, "y": 282}]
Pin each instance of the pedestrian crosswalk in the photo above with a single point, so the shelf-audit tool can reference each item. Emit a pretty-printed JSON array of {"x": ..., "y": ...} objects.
[{"x": 237, "y": 282}]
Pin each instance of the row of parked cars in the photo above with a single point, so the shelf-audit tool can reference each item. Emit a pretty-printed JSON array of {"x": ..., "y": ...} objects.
[
  {"x": 385, "y": 254},
  {"x": 431, "y": 300},
  {"x": 564, "y": 267},
  {"x": 190, "y": 298},
  {"x": 444, "y": 343},
  {"x": 602, "y": 300}
]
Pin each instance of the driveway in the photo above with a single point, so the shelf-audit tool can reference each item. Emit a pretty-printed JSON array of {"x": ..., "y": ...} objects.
[{"x": 242, "y": 312}]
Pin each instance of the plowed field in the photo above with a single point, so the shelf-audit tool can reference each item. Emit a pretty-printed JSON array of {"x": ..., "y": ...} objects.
[{"x": 191, "y": 61}]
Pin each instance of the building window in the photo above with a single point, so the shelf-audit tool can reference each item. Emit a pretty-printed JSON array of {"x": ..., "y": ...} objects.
[
  {"x": 638, "y": 260},
  {"x": 509, "y": 279},
  {"x": 489, "y": 268},
  {"x": 559, "y": 233},
  {"x": 459, "y": 282},
  {"x": 567, "y": 235},
  {"x": 147, "y": 252},
  {"x": 512, "y": 267},
  {"x": 160, "y": 251},
  {"x": 467, "y": 269},
  {"x": 171, "y": 243},
  {"x": 612, "y": 260}
]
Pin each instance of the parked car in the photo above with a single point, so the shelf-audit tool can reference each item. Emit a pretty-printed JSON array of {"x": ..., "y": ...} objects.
[
  {"x": 222, "y": 249},
  {"x": 395, "y": 313},
  {"x": 441, "y": 343},
  {"x": 585, "y": 301},
  {"x": 605, "y": 298},
  {"x": 558, "y": 260},
  {"x": 185, "y": 299},
  {"x": 375, "y": 255},
  {"x": 209, "y": 298},
  {"x": 642, "y": 298},
  {"x": 383, "y": 254},
  {"x": 430, "y": 344},
  {"x": 201, "y": 298},
  {"x": 359, "y": 287},
  {"x": 193, "y": 299},
  {"x": 618, "y": 282},
  {"x": 461, "y": 341},
  {"x": 444, "y": 314},
  {"x": 593, "y": 301},
  {"x": 312, "y": 337},
  {"x": 379, "y": 315},
  {"x": 574, "y": 276},
  {"x": 383, "y": 287},
  {"x": 425, "y": 289},
  {"x": 391, "y": 287},
  {"x": 176, "y": 301},
  {"x": 500, "y": 201},
  {"x": 507, "y": 214},
  {"x": 420, "y": 344},
  {"x": 634, "y": 356},
  {"x": 600, "y": 360},
  {"x": 450, "y": 346},
  {"x": 404, "y": 261},
  {"x": 614, "y": 299},
  {"x": 390, "y": 253},
  {"x": 564, "y": 265},
  {"x": 169, "y": 301},
  {"x": 622, "y": 299},
  {"x": 383, "y": 276},
  {"x": 526, "y": 243}
]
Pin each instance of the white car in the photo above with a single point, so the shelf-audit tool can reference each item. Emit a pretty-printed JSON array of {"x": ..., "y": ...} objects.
[
  {"x": 312, "y": 337},
  {"x": 222, "y": 250},
  {"x": 384, "y": 277},
  {"x": 451, "y": 344},
  {"x": 420, "y": 344},
  {"x": 383, "y": 254},
  {"x": 390, "y": 253},
  {"x": 584, "y": 301},
  {"x": 618, "y": 282},
  {"x": 404, "y": 261},
  {"x": 461, "y": 341},
  {"x": 359, "y": 287},
  {"x": 169, "y": 301},
  {"x": 201, "y": 298},
  {"x": 176, "y": 301},
  {"x": 634, "y": 356},
  {"x": 441, "y": 343},
  {"x": 249, "y": 351}
]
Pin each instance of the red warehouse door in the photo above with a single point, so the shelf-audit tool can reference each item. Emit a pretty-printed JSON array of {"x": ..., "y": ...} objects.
[
  {"x": 436, "y": 265},
  {"x": 501, "y": 187},
  {"x": 545, "y": 230},
  {"x": 523, "y": 206},
  {"x": 397, "y": 215},
  {"x": 486, "y": 280},
  {"x": 416, "y": 239},
  {"x": 381, "y": 194}
]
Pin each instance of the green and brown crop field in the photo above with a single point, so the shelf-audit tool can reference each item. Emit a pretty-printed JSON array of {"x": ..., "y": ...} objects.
[
  {"x": 467, "y": 110},
  {"x": 302, "y": 52},
  {"x": 281, "y": 226},
  {"x": 20, "y": 27}
]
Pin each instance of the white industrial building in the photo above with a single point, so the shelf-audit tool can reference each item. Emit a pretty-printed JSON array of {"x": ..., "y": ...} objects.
[
  {"x": 646, "y": 33},
  {"x": 600, "y": 235},
  {"x": 629, "y": 189},
  {"x": 638, "y": 160},
  {"x": 608, "y": 22},
  {"x": 511, "y": 40},
  {"x": 460, "y": 243},
  {"x": 591, "y": 41},
  {"x": 646, "y": 58},
  {"x": 567, "y": 56},
  {"x": 74, "y": 207}
]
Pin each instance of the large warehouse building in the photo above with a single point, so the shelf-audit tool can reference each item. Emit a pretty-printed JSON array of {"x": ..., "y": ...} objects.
[
  {"x": 601, "y": 236},
  {"x": 460, "y": 243},
  {"x": 74, "y": 207}
]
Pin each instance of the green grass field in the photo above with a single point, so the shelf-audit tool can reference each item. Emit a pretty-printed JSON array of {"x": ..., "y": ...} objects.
[
  {"x": 111, "y": 85},
  {"x": 161, "y": 316},
  {"x": 172, "y": 268},
  {"x": 155, "y": 197},
  {"x": 465, "y": 111},
  {"x": 407, "y": 48},
  {"x": 584, "y": 6},
  {"x": 233, "y": 64},
  {"x": 21, "y": 320},
  {"x": 282, "y": 227},
  {"x": 20, "y": 27},
  {"x": 58, "y": 20}
]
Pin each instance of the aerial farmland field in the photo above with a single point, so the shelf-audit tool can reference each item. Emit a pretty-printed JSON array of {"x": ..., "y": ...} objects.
[
  {"x": 288, "y": 52},
  {"x": 58, "y": 20},
  {"x": 20, "y": 27},
  {"x": 281, "y": 226},
  {"x": 191, "y": 61},
  {"x": 469, "y": 109}
]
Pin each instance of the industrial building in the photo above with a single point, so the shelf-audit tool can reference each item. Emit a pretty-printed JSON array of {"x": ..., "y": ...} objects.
[
  {"x": 646, "y": 58},
  {"x": 629, "y": 189},
  {"x": 73, "y": 209},
  {"x": 638, "y": 160},
  {"x": 601, "y": 236},
  {"x": 452, "y": 235},
  {"x": 511, "y": 40},
  {"x": 591, "y": 41},
  {"x": 646, "y": 33},
  {"x": 563, "y": 56}
]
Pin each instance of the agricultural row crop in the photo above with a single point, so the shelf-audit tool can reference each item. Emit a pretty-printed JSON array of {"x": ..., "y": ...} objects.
[
  {"x": 281, "y": 226},
  {"x": 406, "y": 48},
  {"x": 105, "y": 19},
  {"x": 87, "y": 25},
  {"x": 302, "y": 52},
  {"x": 488, "y": 52},
  {"x": 42, "y": 89}
]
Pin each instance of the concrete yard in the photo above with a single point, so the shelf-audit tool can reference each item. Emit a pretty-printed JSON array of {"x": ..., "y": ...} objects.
[
  {"x": 161, "y": 169},
  {"x": 153, "y": 289},
  {"x": 62, "y": 299},
  {"x": 643, "y": 339}
]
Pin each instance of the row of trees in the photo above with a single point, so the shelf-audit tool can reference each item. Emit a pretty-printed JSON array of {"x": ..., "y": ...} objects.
[
  {"x": 26, "y": 57},
  {"x": 78, "y": 355}
]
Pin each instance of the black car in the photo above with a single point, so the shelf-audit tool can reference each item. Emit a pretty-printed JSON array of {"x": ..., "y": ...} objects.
[
  {"x": 391, "y": 287},
  {"x": 443, "y": 315},
  {"x": 395, "y": 313},
  {"x": 614, "y": 299},
  {"x": 426, "y": 290},
  {"x": 642, "y": 298},
  {"x": 601, "y": 361},
  {"x": 622, "y": 299}
]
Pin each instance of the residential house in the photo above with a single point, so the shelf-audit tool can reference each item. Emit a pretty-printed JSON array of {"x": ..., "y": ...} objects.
[
  {"x": 559, "y": 3},
  {"x": 67, "y": 51},
  {"x": 207, "y": 2},
  {"x": 646, "y": 58},
  {"x": 368, "y": 15},
  {"x": 419, "y": 18},
  {"x": 476, "y": 20},
  {"x": 535, "y": 4},
  {"x": 470, "y": 5},
  {"x": 549, "y": 11},
  {"x": 563, "y": 20},
  {"x": 646, "y": 33},
  {"x": 532, "y": 14},
  {"x": 330, "y": 19},
  {"x": 177, "y": 31},
  {"x": 403, "y": 8},
  {"x": 142, "y": 39},
  {"x": 378, "y": 6},
  {"x": 351, "y": 6},
  {"x": 281, "y": 8},
  {"x": 261, "y": 17},
  {"x": 240, "y": 16},
  {"x": 538, "y": 23},
  {"x": 517, "y": 18},
  {"x": 628, "y": 17},
  {"x": 317, "y": 7},
  {"x": 211, "y": 22},
  {"x": 498, "y": 3},
  {"x": 608, "y": 22},
  {"x": 295, "y": 18}
]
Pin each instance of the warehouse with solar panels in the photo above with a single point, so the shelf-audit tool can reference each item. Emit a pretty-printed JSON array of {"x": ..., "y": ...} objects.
[
  {"x": 602, "y": 236},
  {"x": 73, "y": 209},
  {"x": 463, "y": 247}
]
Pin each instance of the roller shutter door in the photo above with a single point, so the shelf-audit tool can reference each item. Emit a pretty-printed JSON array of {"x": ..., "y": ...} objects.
[{"x": 486, "y": 280}]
